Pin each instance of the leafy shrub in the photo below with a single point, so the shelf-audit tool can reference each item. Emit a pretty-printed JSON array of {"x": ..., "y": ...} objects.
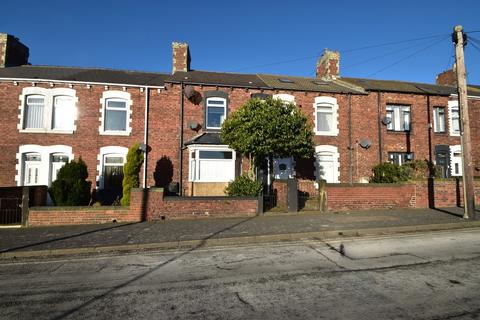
[
  {"x": 389, "y": 173},
  {"x": 417, "y": 169},
  {"x": 71, "y": 187},
  {"x": 244, "y": 186},
  {"x": 131, "y": 172}
]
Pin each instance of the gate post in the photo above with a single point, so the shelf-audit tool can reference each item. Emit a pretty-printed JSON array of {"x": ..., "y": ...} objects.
[
  {"x": 25, "y": 205},
  {"x": 292, "y": 198}
]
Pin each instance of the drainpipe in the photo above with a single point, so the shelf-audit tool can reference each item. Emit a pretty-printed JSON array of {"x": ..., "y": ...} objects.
[
  {"x": 180, "y": 148},
  {"x": 379, "y": 110},
  {"x": 145, "y": 137},
  {"x": 350, "y": 168}
]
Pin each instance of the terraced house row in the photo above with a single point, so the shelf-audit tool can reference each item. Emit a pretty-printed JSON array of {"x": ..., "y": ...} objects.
[{"x": 51, "y": 115}]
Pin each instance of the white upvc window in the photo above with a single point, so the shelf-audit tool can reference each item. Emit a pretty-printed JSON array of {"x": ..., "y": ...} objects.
[
  {"x": 326, "y": 116},
  {"x": 327, "y": 164},
  {"x": 216, "y": 112},
  {"x": 63, "y": 115},
  {"x": 456, "y": 161},
  {"x": 454, "y": 118},
  {"x": 115, "y": 113},
  {"x": 439, "y": 119},
  {"x": 399, "y": 116},
  {"x": 34, "y": 112},
  {"x": 39, "y": 165},
  {"x": 47, "y": 110},
  {"x": 110, "y": 162},
  {"x": 211, "y": 164}
]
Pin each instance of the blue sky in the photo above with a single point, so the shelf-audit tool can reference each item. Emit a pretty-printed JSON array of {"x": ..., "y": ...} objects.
[{"x": 277, "y": 37}]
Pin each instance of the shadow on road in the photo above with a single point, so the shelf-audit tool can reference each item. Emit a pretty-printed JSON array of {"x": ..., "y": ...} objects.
[
  {"x": 70, "y": 236},
  {"x": 140, "y": 276}
]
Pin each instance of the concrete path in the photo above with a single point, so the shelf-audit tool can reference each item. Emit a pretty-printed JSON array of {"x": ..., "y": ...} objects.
[{"x": 42, "y": 241}]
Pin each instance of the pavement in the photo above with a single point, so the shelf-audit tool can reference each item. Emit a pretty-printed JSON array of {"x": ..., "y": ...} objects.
[{"x": 51, "y": 241}]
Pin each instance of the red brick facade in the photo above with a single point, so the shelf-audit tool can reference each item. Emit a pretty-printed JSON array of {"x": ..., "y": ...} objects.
[{"x": 359, "y": 118}]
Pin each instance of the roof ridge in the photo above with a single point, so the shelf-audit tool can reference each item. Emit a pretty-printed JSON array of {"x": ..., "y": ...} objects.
[{"x": 91, "y": 68}]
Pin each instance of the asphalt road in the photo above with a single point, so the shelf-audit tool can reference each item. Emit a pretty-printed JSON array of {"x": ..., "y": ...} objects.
[{"x": 427, "y": 276}]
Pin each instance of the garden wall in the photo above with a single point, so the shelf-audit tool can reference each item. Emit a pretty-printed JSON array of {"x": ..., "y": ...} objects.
[
  {"x": 156, "y": 206},
  {"x": 48, "y": 216}
]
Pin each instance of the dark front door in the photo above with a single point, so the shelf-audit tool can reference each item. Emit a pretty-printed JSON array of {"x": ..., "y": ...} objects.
[
  {"x": 442, "y": 159},
  {"x": 113, "y": 177}
]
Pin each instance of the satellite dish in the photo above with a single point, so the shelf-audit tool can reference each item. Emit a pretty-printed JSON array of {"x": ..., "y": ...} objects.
[
  {"x": 386, "y": 120},
  {"x": 193, "y": 125},
  {"x": 365, "y": 143},
  {"x": 189, "y": 92}
]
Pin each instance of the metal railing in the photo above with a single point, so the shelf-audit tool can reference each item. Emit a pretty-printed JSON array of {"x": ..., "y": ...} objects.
[{"x": 10, "y": 211}]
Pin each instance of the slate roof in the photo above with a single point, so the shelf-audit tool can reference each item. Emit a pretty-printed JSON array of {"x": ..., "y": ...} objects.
[
  {"x": 401, "y": 86},
  {"x": 257, "y": 81},
  {"x": 97, "y": 75},
  {"x": 218, "y": 78},
  {"x": 212, "y": 138},
  {"x": 309, "y": 84}
]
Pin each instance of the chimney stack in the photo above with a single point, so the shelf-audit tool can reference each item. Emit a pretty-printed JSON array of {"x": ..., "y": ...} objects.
[
  {"x": 12, "y": 52},
  {"x": 447, "y": 78},
  {"x": 181, "y": 57},
  {"x": 328, "y": 66}
]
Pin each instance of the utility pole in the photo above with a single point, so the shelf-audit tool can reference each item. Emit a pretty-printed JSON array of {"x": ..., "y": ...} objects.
[{"x": 468, "y": 186}]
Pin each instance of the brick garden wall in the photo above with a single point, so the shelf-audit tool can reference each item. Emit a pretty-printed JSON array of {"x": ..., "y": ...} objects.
[
  {"x": 369, "y": 196},
  {"x": 158, "y": 207},
  {"x": 48, "y": 216}
]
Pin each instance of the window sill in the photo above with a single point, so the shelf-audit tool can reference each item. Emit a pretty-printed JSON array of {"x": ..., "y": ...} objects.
[
  {"x": 399, "y": 132},
  {"x": 330, "y": 134},
  {"x": 46, "y": 131},
  {"x": 114, "y": 133}
]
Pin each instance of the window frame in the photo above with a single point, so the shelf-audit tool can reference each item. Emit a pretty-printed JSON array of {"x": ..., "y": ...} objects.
[
  {"x": 437, "y": 125},
  {"x": 402, "y": 157},
  {"x": 115, "y": 95},
  {"x": 326, "y": 102},
  {"x": 396, "y": 113},
  {"x": 49, "y": 96},
  {"x": 207, "y": 106},
  {"x": 453, "y": 107}
]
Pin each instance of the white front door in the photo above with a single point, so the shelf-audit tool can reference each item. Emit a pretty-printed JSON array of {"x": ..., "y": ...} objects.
[
  {"x": 326, "y": 168},
  {"x": 32, "y": 170}
]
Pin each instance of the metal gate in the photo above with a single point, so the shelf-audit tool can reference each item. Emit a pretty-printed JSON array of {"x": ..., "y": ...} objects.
[{"x": 10, "y": 211}]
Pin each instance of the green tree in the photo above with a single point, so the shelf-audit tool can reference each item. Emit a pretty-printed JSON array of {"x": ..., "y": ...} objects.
[
  {"x": 268, "y": 127},
  {"x": 71, "y": 187},
  {"x": 131, "y": 172}
]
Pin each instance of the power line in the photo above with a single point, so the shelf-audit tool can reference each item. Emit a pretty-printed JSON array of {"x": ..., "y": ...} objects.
[
  {"x": 393, "y": 43},
  {"x": 381, "y": 56},
  {"x": 450, "y": 58},
  {"x": 385, "y": 44},
  {"x": 409, "y": 56}
]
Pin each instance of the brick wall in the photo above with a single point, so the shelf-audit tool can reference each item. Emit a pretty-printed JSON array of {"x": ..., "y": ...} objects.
[
  {"x": 158, "y": 207},
  {"x": 370, "y": 196},
  {"x": 442, "y": 193},
  {"x": 164, "y": 130},
  {"x": 48, "y": 216},
  {"x": 85, "y": 141},
  {"x": 420, "y": 194}
]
